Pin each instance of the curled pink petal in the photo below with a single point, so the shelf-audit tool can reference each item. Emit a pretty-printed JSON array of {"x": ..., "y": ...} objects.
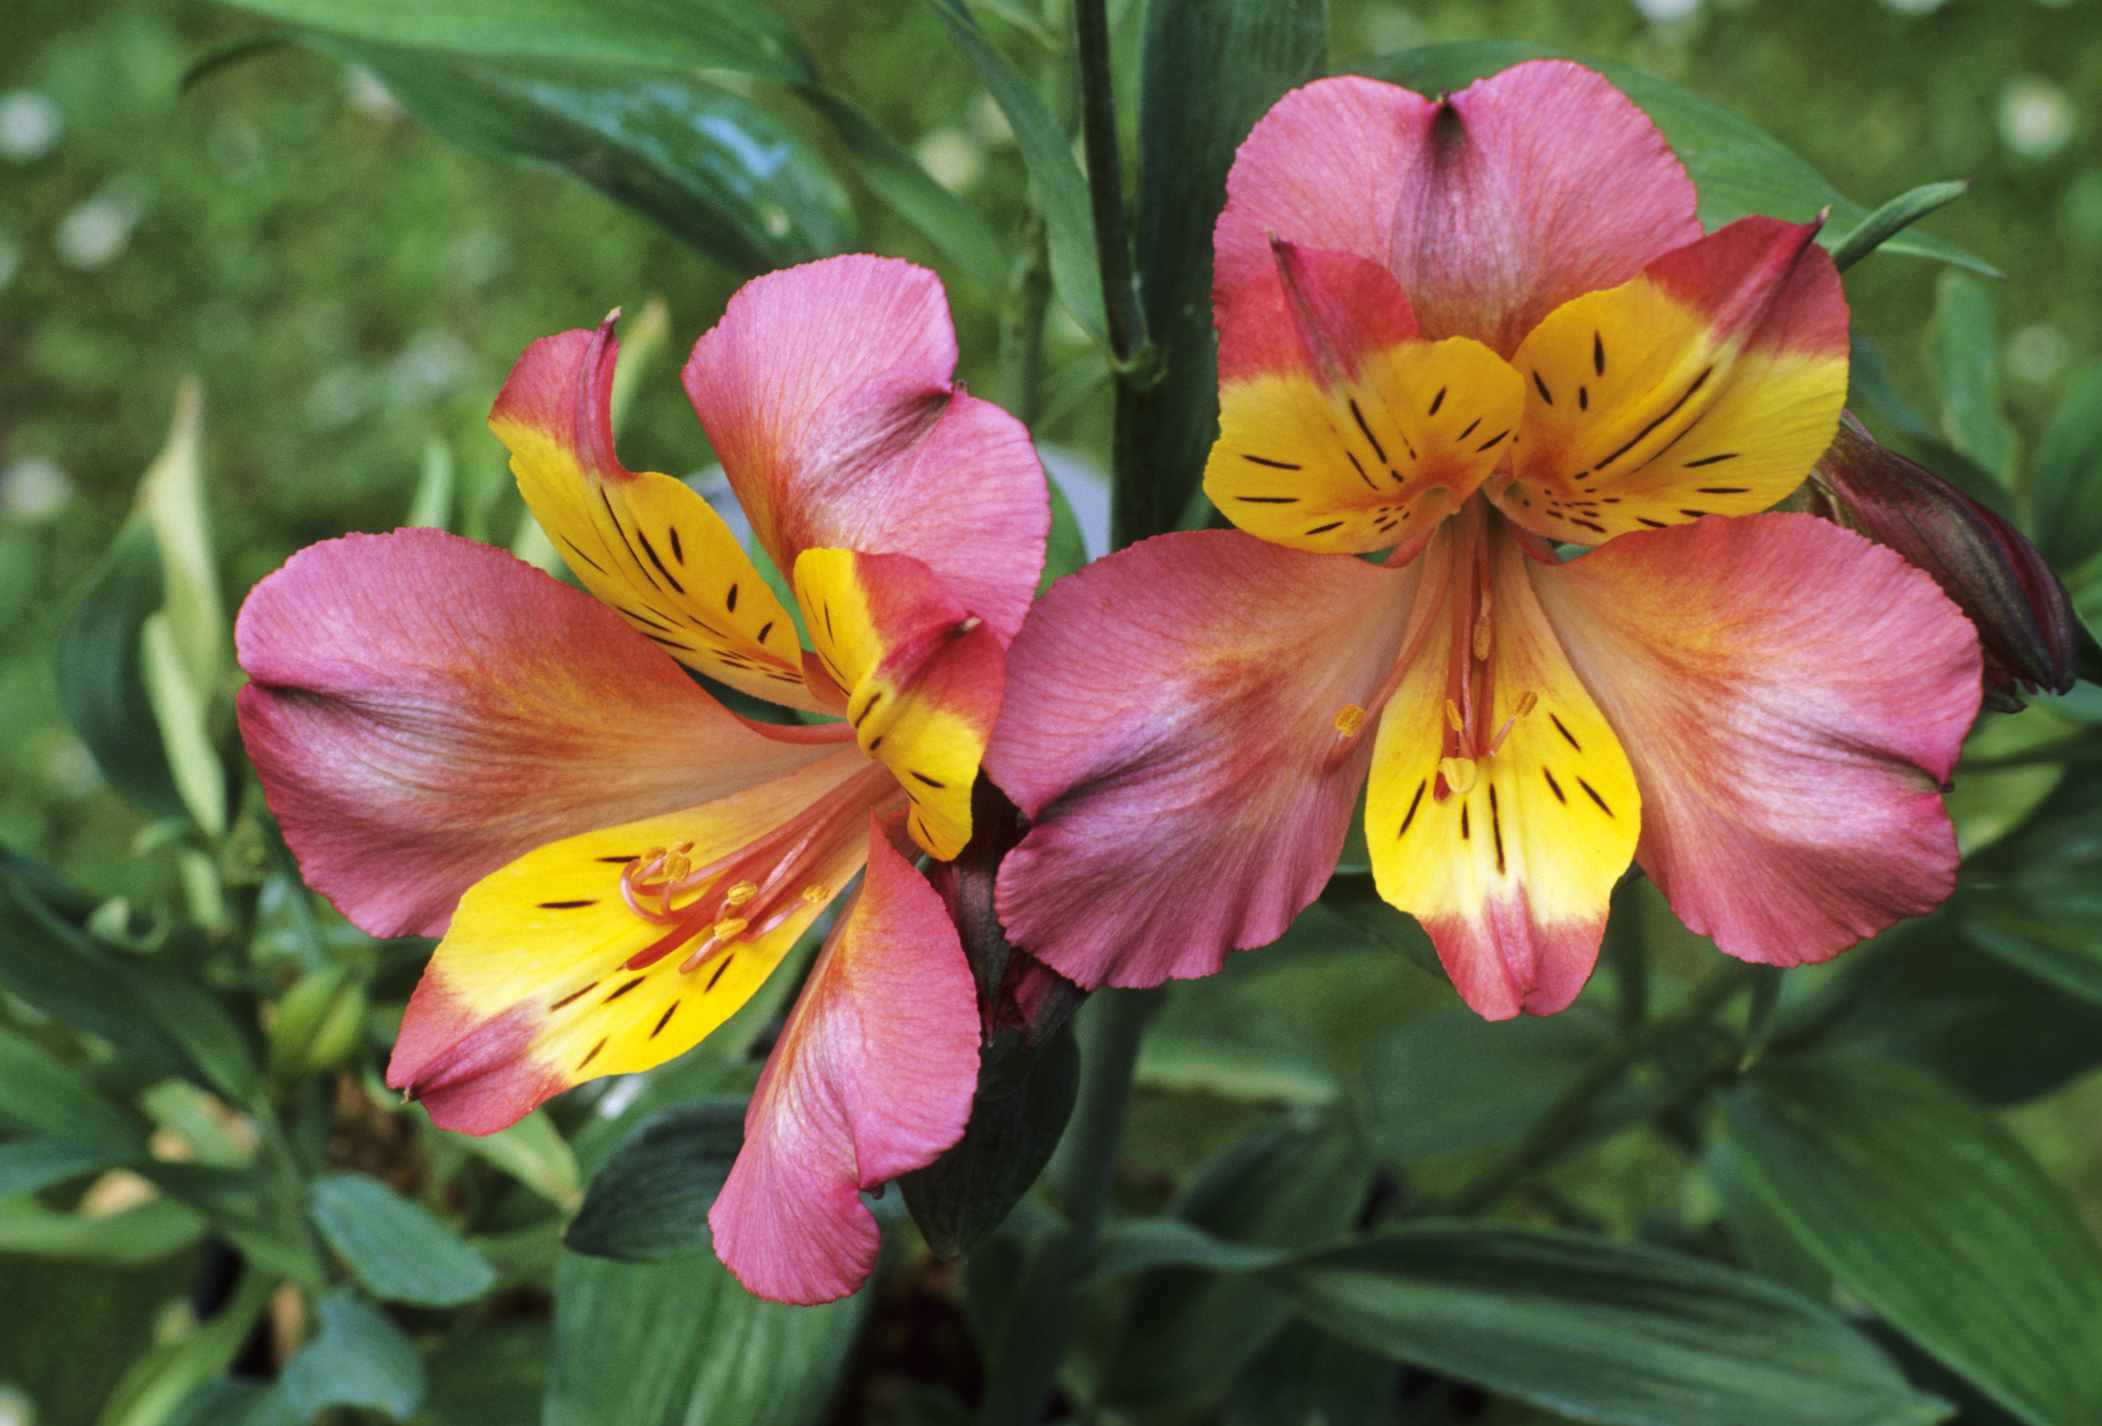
[
  {"x": 1492, "y": 206},
  {"x": 872, "y": 1078},
  {"x": 1185, "y": 727},
  {"x": 1792, "y": 698},
  {"x": 829, "y": 392},
  {"x": 425, "y": 709}
]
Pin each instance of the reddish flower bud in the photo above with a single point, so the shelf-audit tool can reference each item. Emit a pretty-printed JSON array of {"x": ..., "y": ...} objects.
[{"x": 2025, "y": 618}]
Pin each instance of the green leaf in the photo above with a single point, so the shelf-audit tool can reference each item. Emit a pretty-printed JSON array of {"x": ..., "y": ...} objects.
[
  {"x": 675, "y": 35},
  {"x": 432, "y": 504},
  {"x": 34, "y": 1164},
  {"x": 2066, "y": 488},
  {"x": 156, "y": 1229},
  {"x": 1930, "y": 1212},
  {"x": 357, "y": 1359},
  {"x": 651, "y": 1200},
  {"x": 713, "y": 168},
  {"x": 100, "y": 667},
  {"x": 1190, "y": 1331},
  {"x": 1210, "y": 68},
  {"x": 1964, "y": 351},
  {"x": 257, "y": 1207},
  {"x": 171, "y": 494},
  {"x": 649, "y": 1343},
  {"x": 1308, "y": 1377},
  {"x": 182, "y": 711},
  {"x": 1069, "y": 222},
  {"x": 161, "y": 1020},
  {"x": 1025, "y": 1096},
  {"x": 39, "y": 1091},
  {"x": 1601, "y": 1331},
  {"x": 2037, "y": 891},
  {"x": 1738, "y": 168},
  {"x": 534, "y": 1152},
  {"x": 155, "y": 1385},
  {"x": 1893, "y": 218},
  {"x": 954, "y": 227},
  {"x": 397, "y": 1249},
  {"x": 489, "y": 1374},
  {"x": 1453, "y": 1082}
]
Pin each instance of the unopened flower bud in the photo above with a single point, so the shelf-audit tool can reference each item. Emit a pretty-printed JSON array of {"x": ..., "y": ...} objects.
[{"x": 2024, "y": 616}]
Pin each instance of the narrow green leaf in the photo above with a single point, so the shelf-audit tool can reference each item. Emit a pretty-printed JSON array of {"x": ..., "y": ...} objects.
[
  {"x": 432, "y": 503},
  {"x": 956, "y": 229},
  {"x": 651, "y": 1199},
  {"x": 357, "y": 1359},
  {"x": 1210, "y": 68},
  {"x": 1069, "y": 223},
  {"x": 156, "y": 1229},
  {"x": 1024, "y": 1098},
  {"x": 39, "y": 1091},
  {"x": 678, "y": 35},
  {"x": 1601, "y": 1331},
  {"x": 34, "y": 1164},
  {"x": 1738, "y": 168},
  {"x": 1452, "y": 1082},
  {"x": 534, "y": 1152},
  {"x": 682, "y": 1342},
  {"x": 156, "y": 1384},
  {"x": 397, "y": 1249},
  {"x": 1190, "y": 1331},
  {"x": 713, "y": 168},
  {"x": 257, "y": 1207},
  {"x": 1930, "y": 1212},
  {"x": 1309, "y": 1377},
  {"x": 182, "y": 712},
  {"x": 1963, "y": 349},
  {"x": 100, "y": 666},
  {"x": 2066, "y": 488},
  {"x": 171, "y": 494},
  {"x": 1893, "y": 218}
]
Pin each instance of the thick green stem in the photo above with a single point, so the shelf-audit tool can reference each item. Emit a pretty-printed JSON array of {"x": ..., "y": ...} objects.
[
  {"x": 1564, "y": 1122},
  {"x": 1105, "y": 174},
  {"x": 1037, "y": 1331}
]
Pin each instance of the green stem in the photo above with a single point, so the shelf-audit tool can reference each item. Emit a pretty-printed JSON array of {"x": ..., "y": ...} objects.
[
  {"x": 1040, "y": 1324},
  {"x": 1105, "y": 177},
  {"x": 1565, "y": 1120}
]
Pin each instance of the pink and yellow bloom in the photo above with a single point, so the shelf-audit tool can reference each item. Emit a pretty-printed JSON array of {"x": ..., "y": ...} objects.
[
  {"x": 457, "y": 745},
  {"x": 1469, "y": 333}
]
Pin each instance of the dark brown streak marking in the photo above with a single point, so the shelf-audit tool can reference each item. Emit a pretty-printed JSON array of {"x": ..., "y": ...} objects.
[
  {"x": 1566, "y": 734},
  {"x": 1273, "y": 464},
  {"x": 1496, "y": 829},
  {"x": 1598, "y": 354},
  {"x": 592, "y": 1056},
  {"x": 624, "y": 990},
  {"x": 678, "y": 546},
  {"x": 1724, "y": 490},
  {"x": 1378, "y": 450},
  {"x": 651, "y": 550},
  {"x": 1643, "y": 434},
  {"x": 1368, "y": 479},
  {"x": 621, "y": 530},
  {"x": 622, "y": 861},
  {"x": 719, "y": 972},
  {"x": 1552, "y": 785},
  {"x": 1592, "y": 793},
  {"x": 664, "y": 1019},
  {"x": 1711, "y": 460},
  {"x": 877, "y": 741},
  {"x": 1492, "y": 443},
  {"x": 1469, "y": 429},
  {"x": 1414, "y": 803},
  {"x": 573, "y": 549},
  {"x": 1541, "y": 387},
  {"x": 574, "y": 995},
  {"x": 1324, "y": 529},
  {"x": 828, "y": 622},
  {"x": 668, "y": 643},
  {"x": 1653, "y": 524},
  {"x": 928, "y": 780},
  {"x": 1358, "y": 466},
  {"x": 565, "y": 905},
  {"x": 868, "y": 707},
  {"x": 730, "y": 600},
  {"x": 1437, "y": 401},
  {"x": 645, "y": 619},
  {"x": 765, "y": 629},
  {"x": 1592, "y": 525},
  {"x": 1407, "y": 445},
  {"x": 1268, "y": 499},
  {"x": 1692, "y": 514},
  {"x": 1463, "y": 823},
  {"x": 1583, "y": 398}
]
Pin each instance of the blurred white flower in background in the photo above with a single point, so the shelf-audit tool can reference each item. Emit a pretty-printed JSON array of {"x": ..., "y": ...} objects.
[
  {"x": 2037, "y": 353},
  {"x": 2036, "y": 117},
  {"x": 1664, "y": 12},
  {"x": 33, "y": 489},
  {"x": 951, "y": 157},
  {"x": 30, "y": 126},
  {"x": 1914, "y": 7},
  {"x": 96, "y": 232}
]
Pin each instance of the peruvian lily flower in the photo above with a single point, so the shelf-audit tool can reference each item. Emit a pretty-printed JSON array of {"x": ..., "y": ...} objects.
[
  {"x": 1471, "y": 332},
  {"x": 458, "y": 745}
]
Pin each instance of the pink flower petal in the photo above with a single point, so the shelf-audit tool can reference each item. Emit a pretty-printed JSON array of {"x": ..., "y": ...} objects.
[
  {"x": 872, "y": 1078},
  {"x": 426, "y": 709},
  {"x": 829, "y": 392},
  {"x": 1179, "y": 729},
  {"x": 1492, "y": 206},
  {"x": 1792, "y": 698}
]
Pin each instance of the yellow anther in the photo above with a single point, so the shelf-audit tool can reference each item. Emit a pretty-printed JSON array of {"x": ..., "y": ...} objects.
[
  {"x": 1481, "y": 636},
  {"x": 1349, "y": 718},
  {"x": 675, "y": 868},
  {"x": 1526, "y": 704},
  {"x": 739, "y": 894},
  {"x": 1453, "y": 718},
  {"x": 816, "y": 895},
  {"x": 730, "y": 928},
  {"x": 1458, "y": 774}
]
